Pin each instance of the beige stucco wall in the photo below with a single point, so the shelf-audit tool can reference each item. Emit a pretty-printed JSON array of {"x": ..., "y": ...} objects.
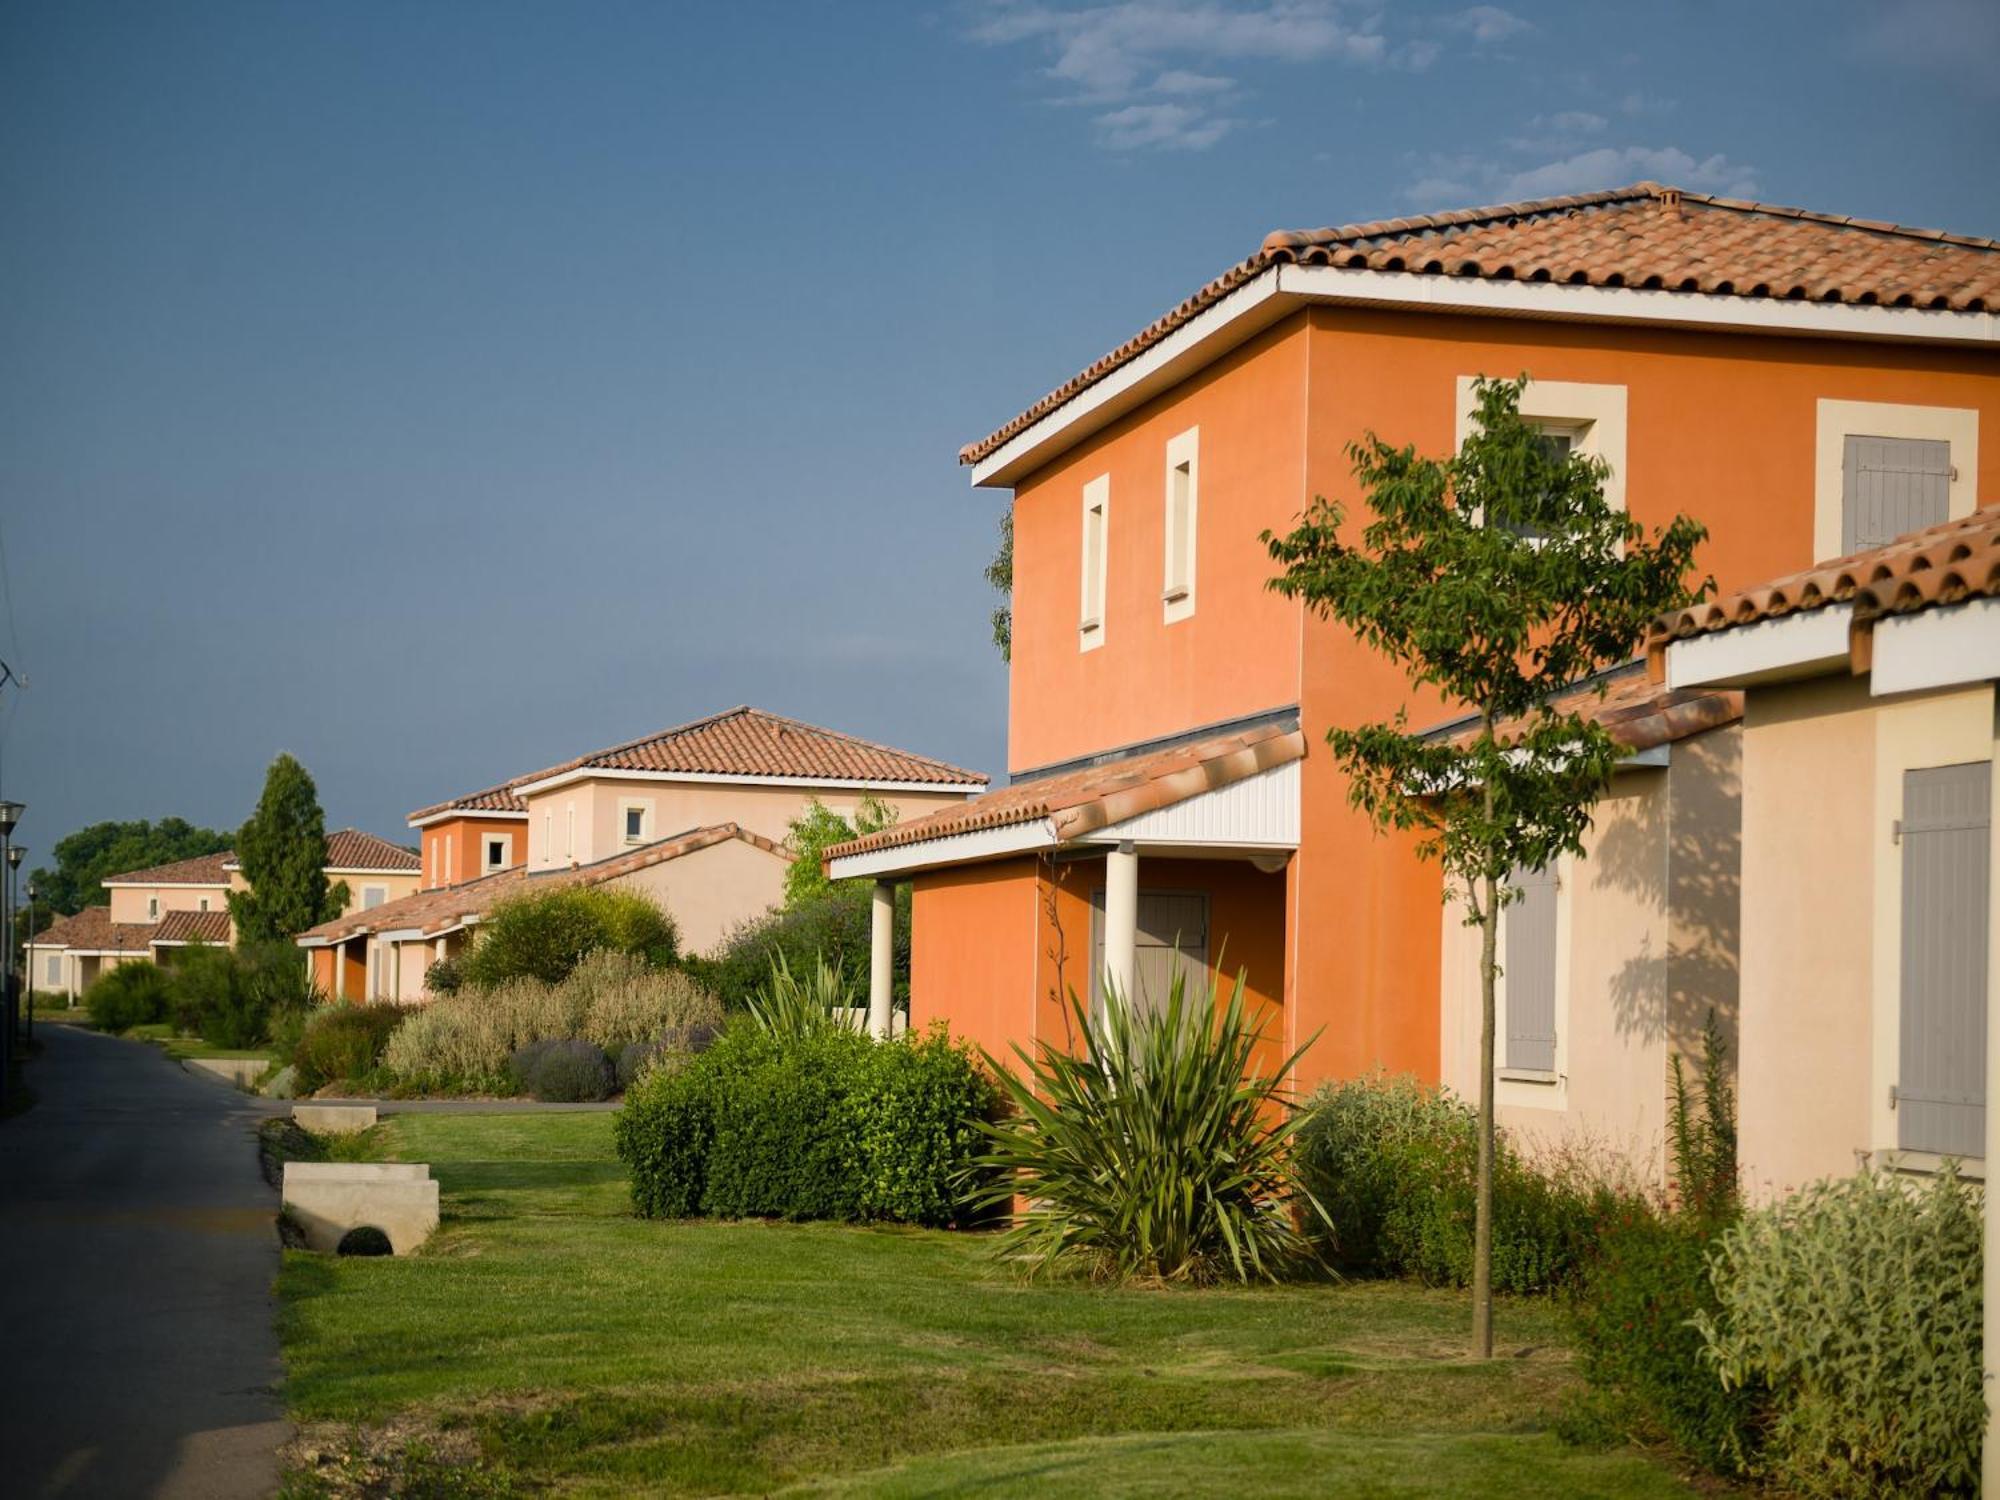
[
  {"x": 395, "y": 886},
  {"x": 597, "y": 807},
  {"x": 1646, "y": 946},
  {"x": 711, "y": 890},
  {"x": 128, "y": 903}
]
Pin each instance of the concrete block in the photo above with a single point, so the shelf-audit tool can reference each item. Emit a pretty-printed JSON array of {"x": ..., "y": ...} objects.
[
  {"x": 334, "y": 1119},
  {"x": 325, "y": 1205},
  {"x": 357, "y": 1171},
  {"x": 243, "y": 1072}
]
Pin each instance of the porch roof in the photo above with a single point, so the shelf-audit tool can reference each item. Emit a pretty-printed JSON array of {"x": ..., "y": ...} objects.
[{"x": 1071, "y": 806}]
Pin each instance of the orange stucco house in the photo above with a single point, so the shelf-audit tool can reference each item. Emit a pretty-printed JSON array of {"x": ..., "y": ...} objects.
[{"x": 1804, "y": 384}]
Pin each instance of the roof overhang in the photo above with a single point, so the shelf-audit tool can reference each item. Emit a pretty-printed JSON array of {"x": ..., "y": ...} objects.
[
  {"x": 454, "y": 814},
  {"x": 1285, "y": 289},
  {"x": 1950, "y": 645},
  {"x": 167, "y": 885},
  {"x": 838, "y": 783},
  {"x": 1256, "y": 817}
]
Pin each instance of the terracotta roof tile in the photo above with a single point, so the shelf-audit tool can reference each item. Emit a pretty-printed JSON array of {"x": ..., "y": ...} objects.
[
  {"x": 493, "y": 799},
  {"x": 1081, "y": 801},
  {"x": 749, "y": 742},
  {"x": 192, "y": 927},
  {"x": 1943, "y": 564},
  {"x": 1641, "y": 714},
  {"x": 203, "y": 869},
  {"x": 92, "y": 931},
  {"x": 351, "y": 849},
  {"x": 1644, "y": 236},
  {"x": 450, "y": 907}
]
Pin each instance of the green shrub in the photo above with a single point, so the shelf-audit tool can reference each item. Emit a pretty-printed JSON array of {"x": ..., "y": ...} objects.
[
  {"x": 463, "y": 1041},
  {"x": 135, "y": 993},
  {"x": 445, "y": 976},
  {"x": 792, "y": 1005},
  {"x": 1857, "y": 1303},
  {"x": 216, "y": 996},
  {"x": 1154, "y": 1153},
  {"x": 834, "y": 925},
  {"x": 1393, "y": 1163},
  {"x": 1639, "y": 1348},
  {"x": 562, "y": 1072},
  {"x": 544, "y": 934},
  {"x": 827, "y": 1124},
  {"x": 344, "y": 1044}
]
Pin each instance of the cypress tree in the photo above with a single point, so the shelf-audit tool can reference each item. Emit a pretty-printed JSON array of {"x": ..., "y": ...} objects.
[{"x": 282, "y": 853}]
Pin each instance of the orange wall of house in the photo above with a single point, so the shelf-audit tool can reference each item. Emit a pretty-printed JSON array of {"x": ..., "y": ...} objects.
[
  {"x": 1722, "y": 428},
  {"x": 1238, "y": 653},
  {"x": 468, "y": 849},
  {"x": 973, "y": 952}
]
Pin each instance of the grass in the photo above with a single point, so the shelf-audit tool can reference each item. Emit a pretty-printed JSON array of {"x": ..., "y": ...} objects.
[
  {"x": 163, "y": 1035},
  {"x": 545, "y": 1338}
]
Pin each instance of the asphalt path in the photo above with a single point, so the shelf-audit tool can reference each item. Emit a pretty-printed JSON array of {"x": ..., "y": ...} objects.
[{"x": 138, "y": 1349}]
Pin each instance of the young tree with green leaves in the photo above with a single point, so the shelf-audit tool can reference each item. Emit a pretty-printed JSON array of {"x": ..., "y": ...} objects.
[
  {"x": 282, "y": 851},
  {"x": 1502, "y": 577},
  {"x": 1000, "y": 574},
  {"x": 818, "y": 829}
]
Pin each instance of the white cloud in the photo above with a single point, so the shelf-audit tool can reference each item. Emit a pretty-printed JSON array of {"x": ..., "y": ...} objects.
[
  {"x": 1126, "y": 56},
  {"x": 1486, "y": 24},
  {"x": 1463, "y": 181}
]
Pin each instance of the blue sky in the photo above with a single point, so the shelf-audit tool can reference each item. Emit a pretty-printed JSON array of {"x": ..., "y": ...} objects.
[{"x": 440, "y": 390}]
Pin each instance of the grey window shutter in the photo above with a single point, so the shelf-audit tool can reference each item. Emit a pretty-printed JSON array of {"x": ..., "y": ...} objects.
[
  {"x": 1941, "y": 1090},
  {"x": 1890, "y": 486},
  {"x": 1530, "y": 976},
  {"x": 1172, "y": 938}
]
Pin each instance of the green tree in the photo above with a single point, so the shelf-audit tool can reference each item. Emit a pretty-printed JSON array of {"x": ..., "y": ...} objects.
[
  {"x": 282, "y": 850},
  {"x": 1500, "y": 576},
  {"x": 1000, "y": 573},
  {"x": 818, "y": 829},
  {"x": 85, "y": 858}
]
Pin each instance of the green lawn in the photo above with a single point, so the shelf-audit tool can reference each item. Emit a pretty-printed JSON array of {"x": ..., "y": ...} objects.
[
  {"x": 546, "y": 1338},
  {"x": 163, "y": 1035}
]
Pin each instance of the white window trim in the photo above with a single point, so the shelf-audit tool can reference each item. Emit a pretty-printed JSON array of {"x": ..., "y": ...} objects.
[
  {"x": 548, "y": 837},
  {"x": 645, "y": 811},
  {"x": 1177, "y": 594},
  {"x": 569, "y": 831},
  {"x": 486, "y": 843},
  {"x": 1096, "y": 573},
  {"x": 1522, "y": 1088},
  {"x": 1593, "y": 415},
  {"x": 1840, "y": 420},
  {"x": 152, "y": 908}
]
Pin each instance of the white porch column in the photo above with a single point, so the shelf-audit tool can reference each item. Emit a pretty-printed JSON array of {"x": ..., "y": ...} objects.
[
  {"x": 339, "y": 951},
  {"x": 882, "y": 960},
  {"x": 1121, "y": 918}
]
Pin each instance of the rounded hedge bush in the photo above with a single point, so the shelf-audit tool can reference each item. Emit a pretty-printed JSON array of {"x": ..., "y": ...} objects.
[{"x": 135, "y": 993}]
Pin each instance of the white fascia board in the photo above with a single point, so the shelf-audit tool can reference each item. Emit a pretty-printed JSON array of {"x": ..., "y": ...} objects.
[
  {"x": 1808, "y": 644},
  {"x": 400, "y": 934},
  {"x": 453, "y": 814},
  {"x": 1257, "y": 304},
  {"x": 1947, "y": 647},
  {"x": 1244, "y": 313},
  {"x": 952, "y": 849},
  {"x": 313, "y": 942},
  {"x": 1652, "y": 758},
  {"x": 1260, "y": 812},
  {"x": 967, "y": 789},
  {"x": 166, "y": 885},
  {"x": 370, "y": 870}
]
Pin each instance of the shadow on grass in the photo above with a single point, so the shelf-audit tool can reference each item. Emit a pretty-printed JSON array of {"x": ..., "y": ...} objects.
[{"x": 505, "y": 1189}]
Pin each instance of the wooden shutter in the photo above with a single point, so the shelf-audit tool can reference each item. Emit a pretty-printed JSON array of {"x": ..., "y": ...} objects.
[
  {"x": 1173, "y": 938},
  {"x": 1530, "y": 976},
  {"x": 1941, "y": 1091},
  {"x": 1890, "y": 486}
]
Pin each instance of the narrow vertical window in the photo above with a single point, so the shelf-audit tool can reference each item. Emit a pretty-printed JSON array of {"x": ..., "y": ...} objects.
[
  {"x": 1182, "y": 508},
  {"x": 569, "y": 831},
  {"x": 548, "y": 837},
  {"x": 1096, "y": 546},
  {"x": 1529, "y": 980}
]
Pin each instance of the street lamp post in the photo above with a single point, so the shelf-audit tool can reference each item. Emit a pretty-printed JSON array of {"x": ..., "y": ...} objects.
[
  {"x": 14, "y": 853},
  {"x": 10, "y": 815}
]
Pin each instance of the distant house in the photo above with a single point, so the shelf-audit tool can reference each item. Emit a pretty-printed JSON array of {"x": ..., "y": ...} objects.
[
  {"x": 155, "y": 912},
  {"x": 696, "y": 815}
]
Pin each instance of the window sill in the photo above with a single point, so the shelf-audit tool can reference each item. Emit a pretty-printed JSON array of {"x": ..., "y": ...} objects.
[
  {"x": 1174, "y": 595},
  {"x": 1921, "y": 1163},
  {"x": 1528, "y": 1075},
  {"x": 1088, "y": 626}
]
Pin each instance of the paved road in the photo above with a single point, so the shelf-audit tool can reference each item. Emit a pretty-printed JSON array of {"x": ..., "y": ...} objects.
[{"x": 138, "y": 1355}]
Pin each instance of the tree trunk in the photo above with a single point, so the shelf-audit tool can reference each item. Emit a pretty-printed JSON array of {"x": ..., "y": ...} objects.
[{"x": 1482, "y": 1213}]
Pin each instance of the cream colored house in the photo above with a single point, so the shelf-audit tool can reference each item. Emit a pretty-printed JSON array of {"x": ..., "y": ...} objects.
[
  {"x": 695, "y": 815},
  {"x": 153, "y": 913},
  {"x": 1868, "y": 755},
  {"x": 1612, "y": 961}
]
